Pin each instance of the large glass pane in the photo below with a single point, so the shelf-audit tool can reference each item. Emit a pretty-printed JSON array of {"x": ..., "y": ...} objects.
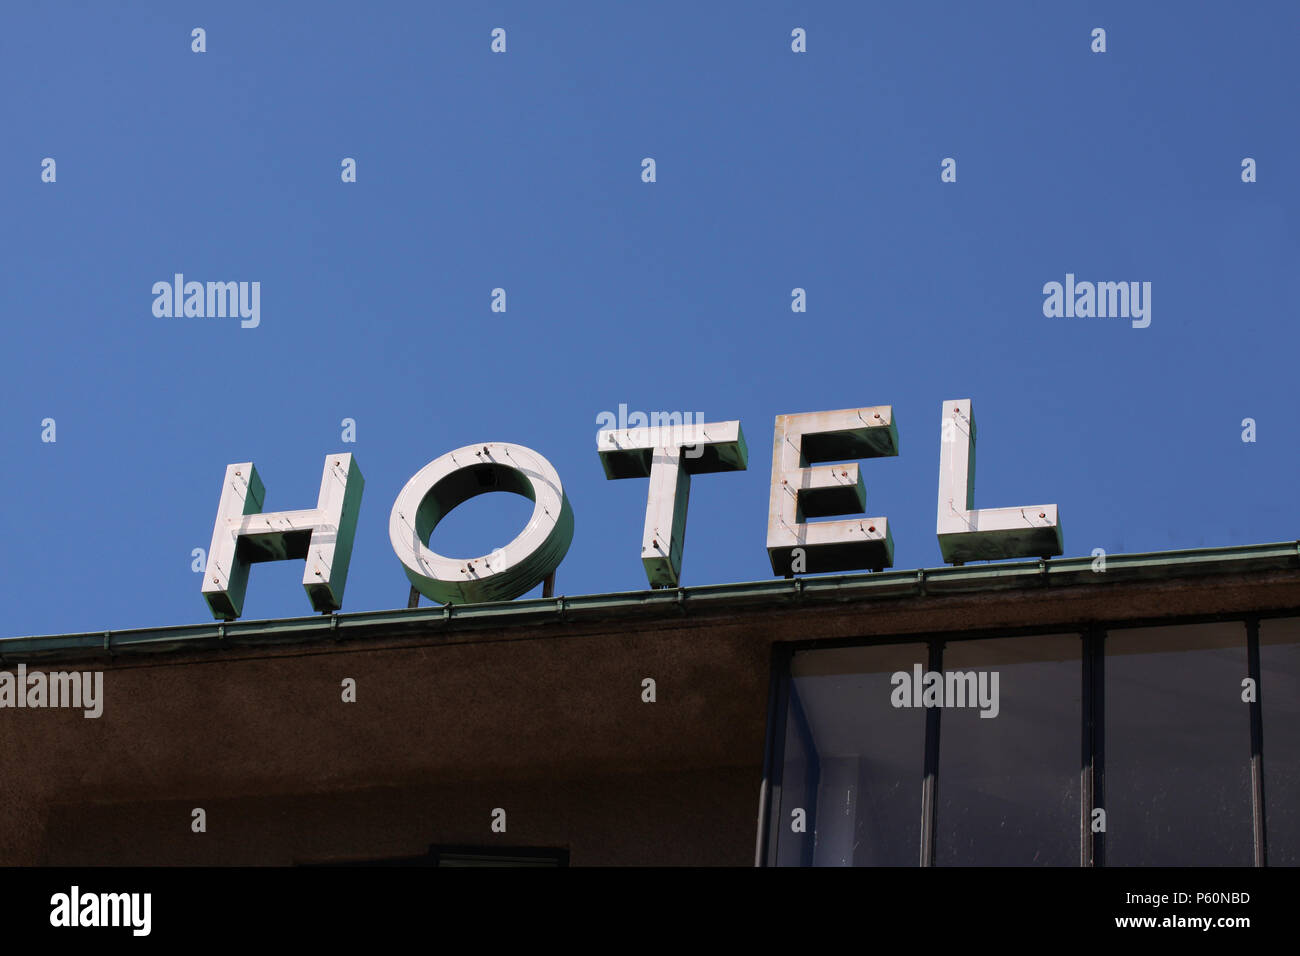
[
  {"x": 1279, "y": 664},
  {"x": 1177, "y": 764},
  {"x": 853, "y": 762},
  {"x": 1009, "y": 760}
]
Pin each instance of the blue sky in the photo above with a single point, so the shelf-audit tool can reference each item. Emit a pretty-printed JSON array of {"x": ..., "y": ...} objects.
[{"x": 522, "y": 170}]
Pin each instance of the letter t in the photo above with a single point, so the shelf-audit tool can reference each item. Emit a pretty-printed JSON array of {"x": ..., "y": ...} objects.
[{"x": 657, "y": 452}]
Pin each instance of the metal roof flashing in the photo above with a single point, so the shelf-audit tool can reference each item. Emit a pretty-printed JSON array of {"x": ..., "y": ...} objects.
[{"x": 925, "y": 584}]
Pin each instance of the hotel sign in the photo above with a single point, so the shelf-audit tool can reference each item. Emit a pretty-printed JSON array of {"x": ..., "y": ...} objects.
[{"x": 804, "y": 485}]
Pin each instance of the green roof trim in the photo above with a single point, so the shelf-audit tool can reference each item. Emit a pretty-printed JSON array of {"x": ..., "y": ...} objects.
[{"x": 1160, "y": 565}]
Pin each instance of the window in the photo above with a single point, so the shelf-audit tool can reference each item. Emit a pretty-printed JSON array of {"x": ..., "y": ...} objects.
[
  {"x": 1132, "y": 746},
  {"x": 850, "y": 790},
  {"x": 1177, "y": 764},
  {"x": 1279, "y": 658},
  {"x": 1008, "y": 791},
  {"x": 858, "y": 739}
]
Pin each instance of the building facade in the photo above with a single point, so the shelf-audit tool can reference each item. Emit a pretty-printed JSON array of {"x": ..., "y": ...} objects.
[{"x": 1127, "y": 710}]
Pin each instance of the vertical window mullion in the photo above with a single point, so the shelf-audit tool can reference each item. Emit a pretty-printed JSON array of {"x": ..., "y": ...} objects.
[
  {"x": 1086, "y": 802},
  {"x": 1257, "y": 743},
  {"x": 769, "y": 793},
  {"x": 930, "y": 781},
  {"x": 1099, "y": 741},
  {"x": 1092, "y": 789},
  {"x": 779, "y": 695}
]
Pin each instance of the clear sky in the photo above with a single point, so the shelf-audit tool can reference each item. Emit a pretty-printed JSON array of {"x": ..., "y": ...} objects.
[{"x": 523, "y": 170}]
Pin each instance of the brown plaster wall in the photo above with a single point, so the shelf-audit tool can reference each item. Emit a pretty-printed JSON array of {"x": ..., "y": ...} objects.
[
  {"x": 553, "y": 731},
  {"x": 545, "y": 721}
]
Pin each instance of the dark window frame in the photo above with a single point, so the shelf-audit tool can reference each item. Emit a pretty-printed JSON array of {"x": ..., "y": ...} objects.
[
  {"x": 466, "y": 855},
  {"x": 1093, "y": 634}
]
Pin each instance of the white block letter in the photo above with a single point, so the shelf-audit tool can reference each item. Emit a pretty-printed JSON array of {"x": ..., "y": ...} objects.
[
  {"x": 243, "y": 535},
  {"x": 990, "y": 534},
  {"x": 457, "y": 476},
  {"x": 669, "y": 455},
  {"x": 800, "y": 492}
]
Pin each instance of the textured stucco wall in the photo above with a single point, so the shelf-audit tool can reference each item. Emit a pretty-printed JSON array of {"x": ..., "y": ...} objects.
[
  {"x": 545, "y": 721},
  {"x": 553, "y": 730}
]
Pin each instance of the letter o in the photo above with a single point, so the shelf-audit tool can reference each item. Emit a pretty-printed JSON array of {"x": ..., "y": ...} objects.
[{"x": 456, "y": 477}]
